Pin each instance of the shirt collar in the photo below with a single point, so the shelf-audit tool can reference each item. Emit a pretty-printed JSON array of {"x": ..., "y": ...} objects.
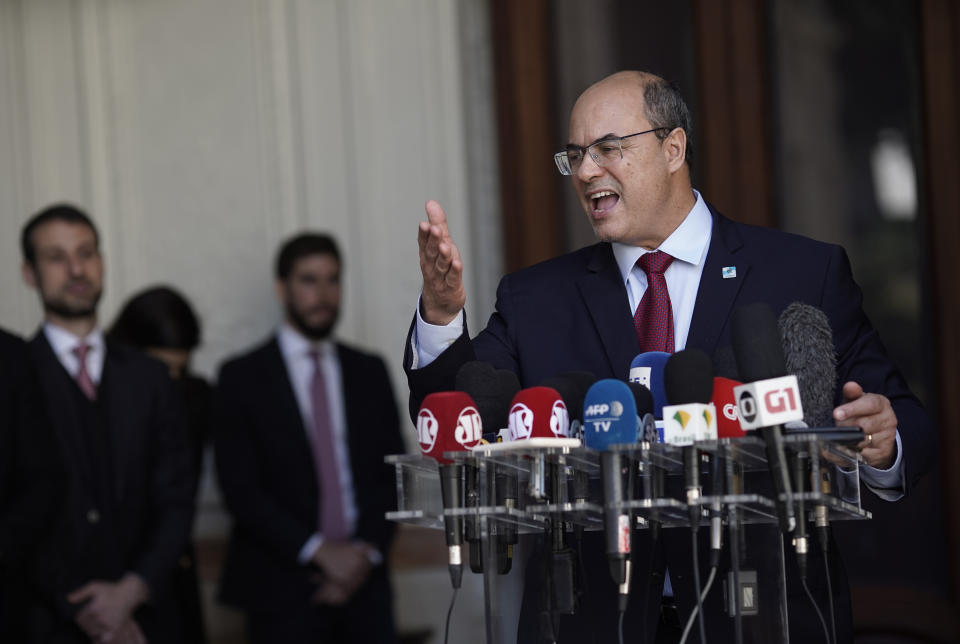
[
  {"x": 294, "y": 344},
  {"x": 686, "y": 243},
  {"x": 63, "y": 342}
]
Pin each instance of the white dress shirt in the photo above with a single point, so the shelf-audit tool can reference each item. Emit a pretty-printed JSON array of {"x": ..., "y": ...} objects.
[
  {"x": 296, "y": 349},
  {"x": 63, "y": 343}
]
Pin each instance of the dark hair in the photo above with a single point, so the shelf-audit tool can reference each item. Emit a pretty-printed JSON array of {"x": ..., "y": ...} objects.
[
  {"x": 157, "y": 317},
  {"x": 664, "y": 107},
  {"x": 304, "y": 245},
  {"x": 57, "y": 212}
]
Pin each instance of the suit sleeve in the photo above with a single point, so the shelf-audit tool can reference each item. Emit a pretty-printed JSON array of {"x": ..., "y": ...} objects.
[
  {"x": 862, "y": 358},
  {"x": 494, "y": 344},
  {"x": 32, "y": 474},
  {"x": 241, "y": 475},
  {"x": 173, "y": 484}
]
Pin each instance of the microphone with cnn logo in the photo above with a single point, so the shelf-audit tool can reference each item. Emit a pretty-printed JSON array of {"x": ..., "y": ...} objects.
[{"x": 448, "y": 421}]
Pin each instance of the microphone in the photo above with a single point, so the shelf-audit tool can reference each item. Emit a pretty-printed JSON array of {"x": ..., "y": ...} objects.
[
  {"x": 492, "y": 390},
  {"x": 647, "y": 369},
  {"x": 610, "y": 420},
  {"x": 725, "y": 402},
  {"x": 809, "y": 354},
  {"x": 572, "y": 387},
  {"x": 688, "y": 381},
  {"x": 448, "y": 421},
  {"x": 538, "y": 413},
  {"x": 770, "y": 399}
]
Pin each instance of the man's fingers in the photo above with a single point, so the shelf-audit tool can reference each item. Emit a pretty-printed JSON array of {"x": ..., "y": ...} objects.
[
  {"x": 454, "y": 276},
  {"x": 852, "y": 391},
  {"x": 436, "y": 215},
  {"x": 82, "y": 594}
]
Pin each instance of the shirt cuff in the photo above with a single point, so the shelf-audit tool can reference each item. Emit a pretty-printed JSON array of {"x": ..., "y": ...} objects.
[
  {"x": 888, "y": 484},
  {"x": 430, "y": 340},
  {"x": 310, "y": 548}
]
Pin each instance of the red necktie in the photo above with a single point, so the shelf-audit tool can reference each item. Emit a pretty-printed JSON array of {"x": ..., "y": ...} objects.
[
  {"x": 653, "y": 318},
  {"x": 84, "y": 381},
  {"x": 333, "y": 524}
]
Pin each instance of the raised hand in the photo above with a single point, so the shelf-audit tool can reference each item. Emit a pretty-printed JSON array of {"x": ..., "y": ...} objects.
[{"x": 443, "y": 294}]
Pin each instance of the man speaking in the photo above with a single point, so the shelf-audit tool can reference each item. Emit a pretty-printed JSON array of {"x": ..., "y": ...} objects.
[{"x": 667, "y": 273}]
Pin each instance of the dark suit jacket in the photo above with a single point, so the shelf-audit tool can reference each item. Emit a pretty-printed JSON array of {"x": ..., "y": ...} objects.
[
  {"x": 268, "y": 477},
  {"x": 572, "y": 313},
  {"x": 152, "y": 488},
  {"x": 31, "y": 473}
]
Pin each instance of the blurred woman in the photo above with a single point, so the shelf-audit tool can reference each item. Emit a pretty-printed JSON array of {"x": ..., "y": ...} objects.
[{"x": 161, "y": 322}]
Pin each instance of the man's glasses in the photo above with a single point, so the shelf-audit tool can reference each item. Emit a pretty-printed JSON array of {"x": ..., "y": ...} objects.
[{"x": 603, "y": 152}]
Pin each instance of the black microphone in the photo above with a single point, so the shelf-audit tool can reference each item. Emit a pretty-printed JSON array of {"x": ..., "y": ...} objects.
[
  {"x": 810, "y": 355},
  {"x": 688, "y": 381},
  {"x": 756, "y": 344},
  {"x": 492, "y": 390}
]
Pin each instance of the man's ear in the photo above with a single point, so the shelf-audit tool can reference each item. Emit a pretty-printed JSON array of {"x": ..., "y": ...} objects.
[
  {"x": 675, "y": 148},
  {"x": 280, "y": 290},
  {"x": 29, "y": 274}
]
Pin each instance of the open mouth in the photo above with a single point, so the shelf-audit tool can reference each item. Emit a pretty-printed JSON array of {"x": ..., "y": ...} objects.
[{"x": 603, "y": 201}]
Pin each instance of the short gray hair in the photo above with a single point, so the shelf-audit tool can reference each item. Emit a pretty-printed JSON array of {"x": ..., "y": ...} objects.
[{"x": 664, "y": 107}]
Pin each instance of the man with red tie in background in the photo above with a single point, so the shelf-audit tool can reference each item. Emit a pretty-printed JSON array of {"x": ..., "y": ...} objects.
[
  {"x": 103, "y": 573},
  {"x": 302, "y": 425}
]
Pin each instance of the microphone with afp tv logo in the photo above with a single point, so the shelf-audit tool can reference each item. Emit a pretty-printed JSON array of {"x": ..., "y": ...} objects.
[
  {"x": 610, "y": 420},
  {"x": 448, "y": 421}
]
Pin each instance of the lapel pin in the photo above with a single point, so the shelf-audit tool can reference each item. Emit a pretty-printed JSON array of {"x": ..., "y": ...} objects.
[{"x": 729, "y": 272}]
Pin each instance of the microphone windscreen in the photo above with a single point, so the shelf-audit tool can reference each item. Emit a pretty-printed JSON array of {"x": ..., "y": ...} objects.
[
  {"x": 538, "y": 412},
  {"x": 809, "y": 355},
  {"x": 728, "y": 415},
  {"x": 448, "y": 421},
  {"x": 647, "y": 369},
  {"x": 688, "y": 377},
  {"x": 756, "y": 343},
  {"x": 609, "y": 415},
  {"x": 642, "y": 398},
  {"x": 491, "y": 389},
  {"x": 572, "y": 387}
]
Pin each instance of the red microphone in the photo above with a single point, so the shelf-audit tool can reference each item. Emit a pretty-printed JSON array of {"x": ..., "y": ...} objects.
[
  {"x": 538, "y": 412},
  {"x": 728, "y": 416},
  {"x": 448, "y": 421}
]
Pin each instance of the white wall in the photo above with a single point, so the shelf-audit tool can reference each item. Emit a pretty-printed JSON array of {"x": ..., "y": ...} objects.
[{"x": 200, "y": 133}]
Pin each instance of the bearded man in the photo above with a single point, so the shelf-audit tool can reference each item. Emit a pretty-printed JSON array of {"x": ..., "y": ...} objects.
[{"x": 302, "y": 427}]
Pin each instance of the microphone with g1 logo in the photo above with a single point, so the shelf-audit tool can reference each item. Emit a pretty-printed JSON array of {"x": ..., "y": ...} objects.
[
  {"x": 770, "y": 398},
  {"x": 448, "y": 421}
]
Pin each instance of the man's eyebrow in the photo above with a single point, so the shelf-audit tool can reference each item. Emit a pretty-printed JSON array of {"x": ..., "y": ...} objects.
[{"x": 608, "y": 135}]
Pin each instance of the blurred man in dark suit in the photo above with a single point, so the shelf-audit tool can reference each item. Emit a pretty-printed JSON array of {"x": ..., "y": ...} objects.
[
  {"x": 31, "y": 475},
  {"x": 105, "y": 571},
  {"x": 303, "y": 424}
]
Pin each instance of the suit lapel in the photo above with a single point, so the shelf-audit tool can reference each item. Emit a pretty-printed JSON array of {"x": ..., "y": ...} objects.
[
  {"x": 605, "y": 297},
  {"x": 280, "y": 391},
  {"x": 716, "y": 294}
]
